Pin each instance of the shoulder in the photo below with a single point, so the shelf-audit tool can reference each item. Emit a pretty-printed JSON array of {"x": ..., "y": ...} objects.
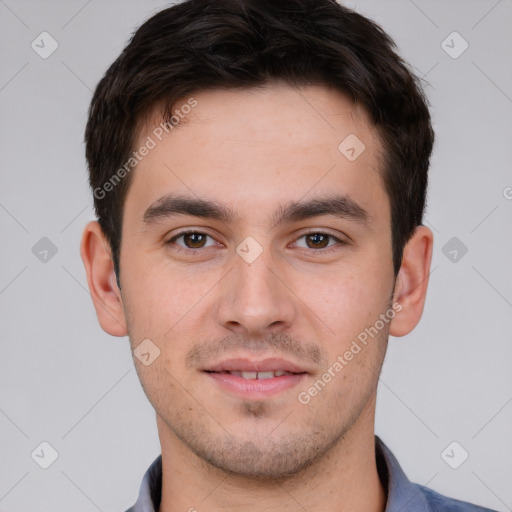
[{"x": 440, "y": 503}]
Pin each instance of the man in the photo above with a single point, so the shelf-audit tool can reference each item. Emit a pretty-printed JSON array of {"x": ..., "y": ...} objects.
[{"x": 259, "y": 170}]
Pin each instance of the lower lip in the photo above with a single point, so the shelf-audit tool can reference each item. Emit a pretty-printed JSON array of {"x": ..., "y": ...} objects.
[{"x": 255, "y": 388}]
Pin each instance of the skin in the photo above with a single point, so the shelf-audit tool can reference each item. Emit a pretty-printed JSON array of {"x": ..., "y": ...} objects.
[{"x": 257, "y": 150}]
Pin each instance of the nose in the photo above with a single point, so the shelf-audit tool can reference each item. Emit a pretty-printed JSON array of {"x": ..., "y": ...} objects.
[{"x": 255, "y": 298}]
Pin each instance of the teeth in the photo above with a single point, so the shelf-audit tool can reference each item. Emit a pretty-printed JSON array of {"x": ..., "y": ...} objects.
[
  {"x": 265, "y": 375},
  {"x": 260, "y": 375}
]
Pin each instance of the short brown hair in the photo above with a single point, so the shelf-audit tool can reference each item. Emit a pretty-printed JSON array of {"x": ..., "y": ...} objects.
[{"x": 203, "y": 44}]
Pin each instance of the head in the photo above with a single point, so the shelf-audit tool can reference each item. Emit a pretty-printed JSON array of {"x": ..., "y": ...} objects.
[{"x": 259, "y": 172}]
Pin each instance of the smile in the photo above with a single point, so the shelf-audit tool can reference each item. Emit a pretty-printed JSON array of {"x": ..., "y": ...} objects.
[{"x": 258, "y": 375}]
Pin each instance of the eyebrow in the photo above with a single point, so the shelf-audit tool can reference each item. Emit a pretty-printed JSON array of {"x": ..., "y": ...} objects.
[{"x": 336, "y": 205}]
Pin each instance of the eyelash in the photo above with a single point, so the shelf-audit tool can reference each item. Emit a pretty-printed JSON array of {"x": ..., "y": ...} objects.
[{"x": 325, "y": 250}]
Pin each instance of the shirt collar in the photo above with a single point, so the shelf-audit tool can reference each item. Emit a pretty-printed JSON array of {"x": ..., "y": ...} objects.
[{"x": 402, "y": 494}]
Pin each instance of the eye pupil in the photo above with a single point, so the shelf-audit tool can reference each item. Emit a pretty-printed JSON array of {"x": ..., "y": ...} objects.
[
  {"x": 196, "y": 239},
  {"x": 318, "y": 239}
]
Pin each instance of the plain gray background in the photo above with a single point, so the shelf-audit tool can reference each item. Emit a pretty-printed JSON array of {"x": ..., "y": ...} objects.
[{"x": 66, "y": 382}]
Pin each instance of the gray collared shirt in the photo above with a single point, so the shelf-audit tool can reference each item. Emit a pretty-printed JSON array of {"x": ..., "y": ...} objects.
[{"x": 403, "y": 495}]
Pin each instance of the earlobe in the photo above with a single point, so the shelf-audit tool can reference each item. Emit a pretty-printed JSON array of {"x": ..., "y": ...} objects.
[
  {"x": 105, "y": 293},
  {"x": 412, "y": 281}
]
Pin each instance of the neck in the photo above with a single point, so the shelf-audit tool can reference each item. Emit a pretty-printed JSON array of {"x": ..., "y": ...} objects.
[{"x": 344, "y": 480}]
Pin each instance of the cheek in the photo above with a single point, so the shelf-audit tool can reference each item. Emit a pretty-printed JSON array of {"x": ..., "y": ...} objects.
[
  {"x": 346, "y": 300},
  {"x": 159, "y": 296}
]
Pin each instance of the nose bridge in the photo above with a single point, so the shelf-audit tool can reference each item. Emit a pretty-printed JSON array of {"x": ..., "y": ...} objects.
[
  {"x": 254, "y": 299},
  {"x": 257, "y": 280}
]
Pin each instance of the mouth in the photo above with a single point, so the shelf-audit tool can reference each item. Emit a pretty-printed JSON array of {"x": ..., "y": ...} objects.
[
  {"x": 257, "y": 375},
  {"x": 256, "y": 379}
]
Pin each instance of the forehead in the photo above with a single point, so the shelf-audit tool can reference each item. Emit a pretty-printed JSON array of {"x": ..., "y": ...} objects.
[{"x": 254, "y": 148}]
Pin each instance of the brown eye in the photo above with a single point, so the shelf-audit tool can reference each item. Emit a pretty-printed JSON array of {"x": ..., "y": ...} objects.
[
  {"x": 317, "y": 240},
  {"x": 191, "y": 240},
  {"x": 320, "y": 242},
  {"x": 194, "y": 240}
]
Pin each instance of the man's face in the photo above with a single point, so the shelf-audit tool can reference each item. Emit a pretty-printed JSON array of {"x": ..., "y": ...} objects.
[{"x": 262, "y": 290}]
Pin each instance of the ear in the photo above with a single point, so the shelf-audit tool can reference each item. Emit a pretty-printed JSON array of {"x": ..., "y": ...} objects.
[
  {"x": 106, "y": 296},
  {"x": 412, "y": 281}
]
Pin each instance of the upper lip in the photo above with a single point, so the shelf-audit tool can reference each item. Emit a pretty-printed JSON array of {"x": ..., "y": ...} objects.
[{"x": 262, "y": 365}]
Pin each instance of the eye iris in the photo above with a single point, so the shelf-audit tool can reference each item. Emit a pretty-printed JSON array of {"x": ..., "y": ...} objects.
[
  {"x": 194, "y": 240},
  {"x": 318, "y": 237}
]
